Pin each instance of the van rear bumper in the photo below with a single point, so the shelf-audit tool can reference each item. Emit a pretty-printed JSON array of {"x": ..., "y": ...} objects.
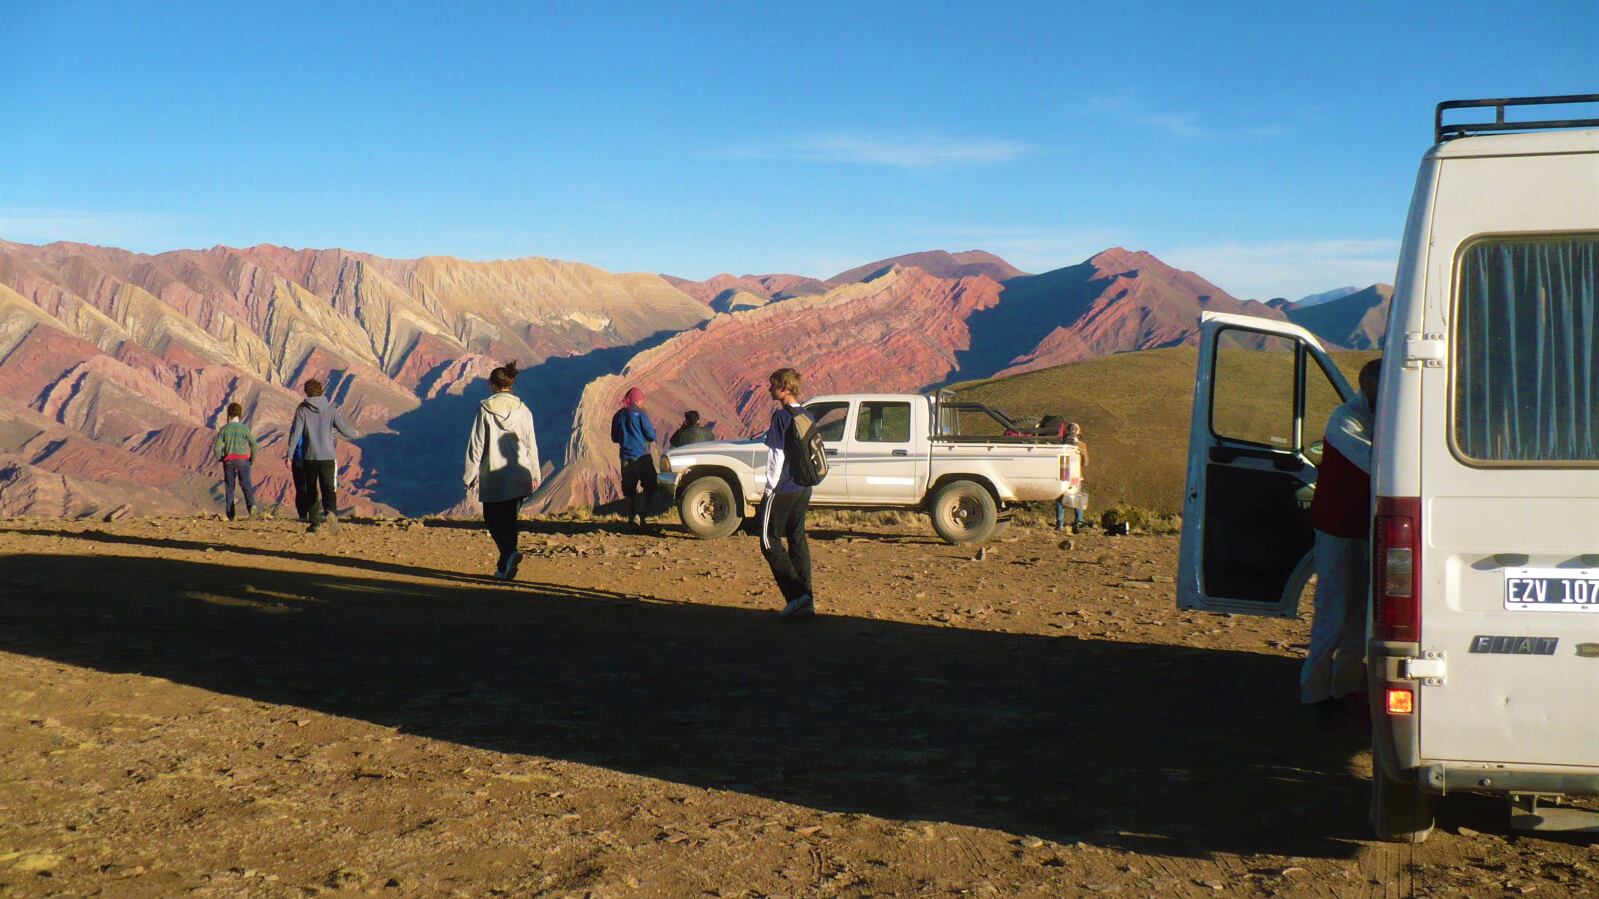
[{"x": 1444, "y": 777}]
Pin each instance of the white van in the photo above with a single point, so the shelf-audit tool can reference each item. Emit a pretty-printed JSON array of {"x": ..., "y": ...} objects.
[{"x": 1483, "y": 657}]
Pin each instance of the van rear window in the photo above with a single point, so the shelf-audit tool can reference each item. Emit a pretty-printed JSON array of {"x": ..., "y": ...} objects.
[{"x": 1526, "y": 381}]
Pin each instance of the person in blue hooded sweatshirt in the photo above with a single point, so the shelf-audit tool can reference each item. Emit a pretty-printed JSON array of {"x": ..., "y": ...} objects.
[
  {"x": 633, "y": 433},
  {"x": 316, "y": 420}
]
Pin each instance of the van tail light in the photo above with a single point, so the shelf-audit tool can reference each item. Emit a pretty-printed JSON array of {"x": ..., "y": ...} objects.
[
  {"x": 1396, "y": 569},
  {"x": 1401, "y": 701},
  {"x": 1065, "y": 467}
]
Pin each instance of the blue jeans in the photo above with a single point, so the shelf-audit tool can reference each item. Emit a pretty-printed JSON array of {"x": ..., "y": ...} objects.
[
  {"x": 238, "y": 470},
  {"x": 1060, "y": 515}
]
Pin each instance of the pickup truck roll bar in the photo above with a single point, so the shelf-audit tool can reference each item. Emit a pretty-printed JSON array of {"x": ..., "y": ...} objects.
[{"x": 1442, "y": 132}]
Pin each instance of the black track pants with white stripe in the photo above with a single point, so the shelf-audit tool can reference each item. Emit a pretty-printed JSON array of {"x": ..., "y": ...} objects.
[{"x": 783, "y": 519}]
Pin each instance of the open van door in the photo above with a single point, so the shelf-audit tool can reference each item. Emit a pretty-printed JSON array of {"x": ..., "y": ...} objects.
[{"x": 1262, "y": 396}]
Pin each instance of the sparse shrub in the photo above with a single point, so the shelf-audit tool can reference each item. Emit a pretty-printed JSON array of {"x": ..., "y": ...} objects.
[{"x": 1140, "y": 520}]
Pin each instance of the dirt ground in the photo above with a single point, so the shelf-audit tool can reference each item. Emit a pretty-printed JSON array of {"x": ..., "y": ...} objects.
[{"x": 191, "y": 707}]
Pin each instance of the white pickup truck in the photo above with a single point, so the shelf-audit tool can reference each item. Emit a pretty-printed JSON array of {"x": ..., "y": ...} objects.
[{"x": 953, "y": 460}]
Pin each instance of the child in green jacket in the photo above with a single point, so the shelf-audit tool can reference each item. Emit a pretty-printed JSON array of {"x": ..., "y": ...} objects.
[{"x": 235, "y": 448}]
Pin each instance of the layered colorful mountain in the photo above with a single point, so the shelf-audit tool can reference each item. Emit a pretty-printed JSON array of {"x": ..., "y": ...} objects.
[
  {"x": 897, "y": 332},
  {"x": 901, "y": 329},
  {"x": 115, "y": 366},
  {"x": 938, "y": 263}
]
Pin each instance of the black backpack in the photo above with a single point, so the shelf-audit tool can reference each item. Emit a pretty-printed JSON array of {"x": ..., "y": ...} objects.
[{"x": 806, "y": 455}]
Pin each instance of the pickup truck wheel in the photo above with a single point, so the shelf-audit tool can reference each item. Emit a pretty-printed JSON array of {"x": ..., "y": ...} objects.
[
  {"x": 709, "y": 508},
  {"x": 1400, "y": 812},
  {"x": 964, "y": 512}
]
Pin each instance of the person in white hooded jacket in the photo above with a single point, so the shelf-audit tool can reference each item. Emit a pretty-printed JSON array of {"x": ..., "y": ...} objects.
[{"x": 502, "y": 462}]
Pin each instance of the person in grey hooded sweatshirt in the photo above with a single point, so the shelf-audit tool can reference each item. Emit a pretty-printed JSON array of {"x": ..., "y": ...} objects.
[
  {"x": 502, "y": 462},
  {"x": 316, "y": 419}
]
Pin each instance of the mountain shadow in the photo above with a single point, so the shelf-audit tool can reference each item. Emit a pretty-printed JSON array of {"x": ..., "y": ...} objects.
[
  {"x": 417, "y": 468},
  {"x": 1029, "y": 308},
  {"x": 1161, "y": 749}
]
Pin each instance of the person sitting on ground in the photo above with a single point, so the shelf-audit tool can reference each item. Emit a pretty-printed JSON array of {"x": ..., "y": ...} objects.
[
  {"x": 691, "y": 431},
  {"x": 502, "y": 461},
  {"x": 1073, "y": 437},
  {"x": 316, "y": 419},
  {"x": 235, "y": 448}
]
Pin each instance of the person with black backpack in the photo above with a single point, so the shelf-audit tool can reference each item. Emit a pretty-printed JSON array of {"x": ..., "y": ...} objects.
[{"x": 795, "y": 462}]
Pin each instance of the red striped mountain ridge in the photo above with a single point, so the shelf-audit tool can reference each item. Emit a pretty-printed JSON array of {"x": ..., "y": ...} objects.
[{"x": 115, "y": 367}]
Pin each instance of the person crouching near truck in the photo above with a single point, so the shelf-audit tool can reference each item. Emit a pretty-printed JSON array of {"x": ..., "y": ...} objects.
[
  {"x": 1341, "y": 515},
  {"x": 785, "y": 502},
  {"x": 501, "y": 462}
]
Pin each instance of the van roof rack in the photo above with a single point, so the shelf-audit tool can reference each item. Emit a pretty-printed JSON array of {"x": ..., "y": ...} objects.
[{"x": 1442, "y": 132}]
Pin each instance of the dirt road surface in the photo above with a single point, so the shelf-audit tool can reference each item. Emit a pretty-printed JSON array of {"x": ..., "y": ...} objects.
[{"x": 190, "y": 707}]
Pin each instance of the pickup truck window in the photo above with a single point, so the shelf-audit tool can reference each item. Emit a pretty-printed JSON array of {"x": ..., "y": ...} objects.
[
  {"x": 883, "y": 423},
  {"x": 829, "y": 418},
  {"x": 1526, "y": 355},
  {"x": 1253, "y": 388}
]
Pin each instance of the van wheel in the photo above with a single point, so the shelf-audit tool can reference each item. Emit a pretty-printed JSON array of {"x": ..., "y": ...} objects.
[
  {"x": 708, "y": 508},
  {"x": 1400, "y": 812},
  {"x": 964, "y": 512}
]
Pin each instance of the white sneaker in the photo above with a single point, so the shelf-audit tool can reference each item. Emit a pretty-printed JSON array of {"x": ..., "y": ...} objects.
[{"x": 799, "y": 607}]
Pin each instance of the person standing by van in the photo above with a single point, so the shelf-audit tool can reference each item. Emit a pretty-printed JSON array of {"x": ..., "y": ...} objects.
[
  {"x": 235, "y": 448},
  {"x": 634, "y": 434},
  {"x": 1341, "y": 515},
  {"x": 316, "y": 419},
  {"x": 501, "y": 462},
  {"x": 785, "y": 502}
]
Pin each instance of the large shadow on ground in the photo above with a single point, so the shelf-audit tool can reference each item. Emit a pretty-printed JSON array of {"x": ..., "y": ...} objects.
[
  {"x": 418, "y": 465},
  {"x": 1149, "y": 748}
]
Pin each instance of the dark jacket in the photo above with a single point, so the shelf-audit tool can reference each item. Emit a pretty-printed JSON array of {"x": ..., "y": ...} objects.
[
  {"x": 692, "y": 434},
  {"x": 317, "y": 419},
  {"x": 632, "y": 431}
]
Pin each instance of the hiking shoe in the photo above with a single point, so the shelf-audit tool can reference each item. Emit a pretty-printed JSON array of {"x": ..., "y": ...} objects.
[
  {"x": 333, "y": 522},
  {"x": 511, "y": 564},
  {"x": 799, "y": 607}
]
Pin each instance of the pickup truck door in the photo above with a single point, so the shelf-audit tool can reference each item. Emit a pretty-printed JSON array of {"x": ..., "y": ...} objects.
[
  {"x": 885, "y": 466},
  {"x": 831, "y": 418},
  {"x": 1262, "y": 396}
]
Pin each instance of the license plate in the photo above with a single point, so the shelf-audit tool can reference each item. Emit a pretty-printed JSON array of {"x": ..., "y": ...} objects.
[{"x": 1552, "y": 589}]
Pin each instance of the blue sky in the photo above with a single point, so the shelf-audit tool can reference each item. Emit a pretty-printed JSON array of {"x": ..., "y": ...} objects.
[{"x": 1271, "y": 147}]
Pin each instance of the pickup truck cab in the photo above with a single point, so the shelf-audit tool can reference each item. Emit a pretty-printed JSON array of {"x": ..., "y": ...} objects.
[
  {"x": 887, "y": 451},
  {"x": 1483, "y": 650}
]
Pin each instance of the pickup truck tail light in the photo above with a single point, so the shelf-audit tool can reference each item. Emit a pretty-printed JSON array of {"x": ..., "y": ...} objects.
[
  {"x": 1396, "y": 569},
  {"x": 1070, "y": 469}
]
